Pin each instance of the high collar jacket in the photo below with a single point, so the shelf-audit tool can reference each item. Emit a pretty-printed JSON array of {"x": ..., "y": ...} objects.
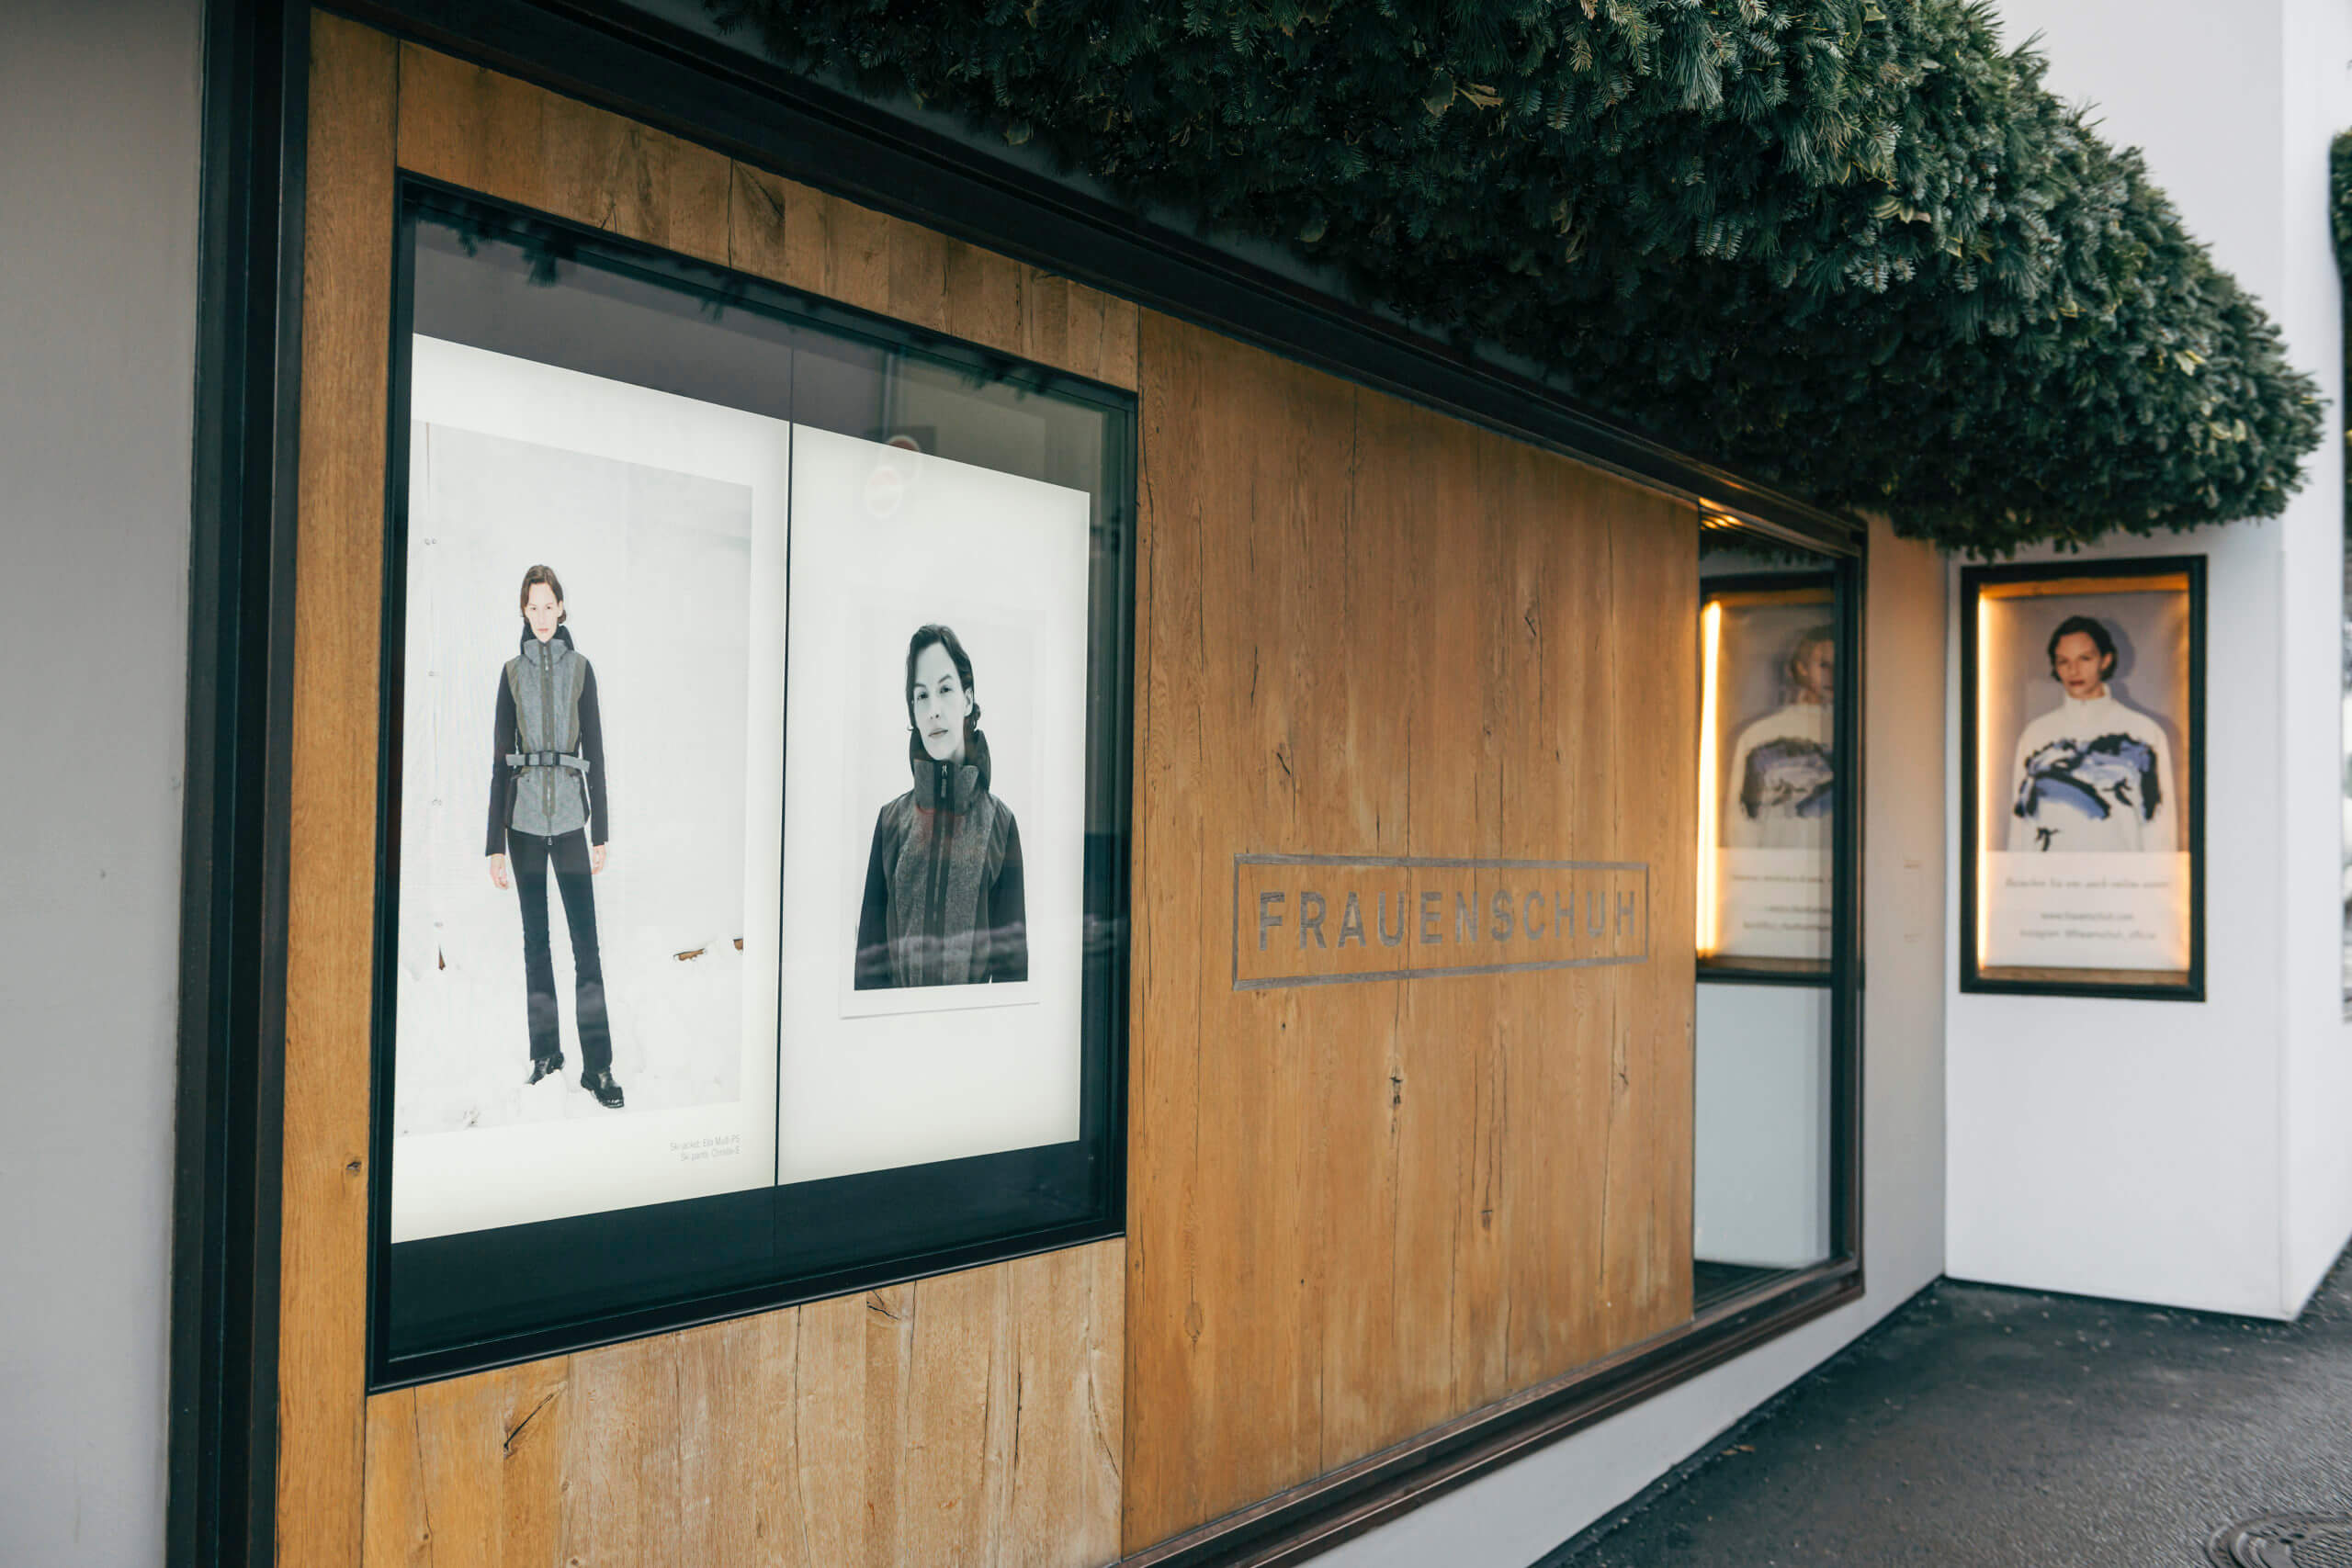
[{"x": 944, "y": 903}]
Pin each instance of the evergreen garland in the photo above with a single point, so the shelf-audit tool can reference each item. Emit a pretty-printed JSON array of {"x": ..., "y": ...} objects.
[{"x": 1853, "y": 247}]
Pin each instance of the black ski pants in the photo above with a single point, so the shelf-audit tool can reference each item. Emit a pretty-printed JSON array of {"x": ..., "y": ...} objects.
[{"x": 528, "y": 856}]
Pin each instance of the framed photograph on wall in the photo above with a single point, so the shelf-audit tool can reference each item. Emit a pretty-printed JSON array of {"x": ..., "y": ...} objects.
[
  {"x": 2083, "y": 739},
  {"x": 1768, "y": 770},
  {"x": 754, "y": 805}
]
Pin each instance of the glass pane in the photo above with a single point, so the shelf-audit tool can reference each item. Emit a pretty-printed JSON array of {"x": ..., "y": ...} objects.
[
  {"x": 663, "y": 1021},
  {"x": 1772, "y": 674}
]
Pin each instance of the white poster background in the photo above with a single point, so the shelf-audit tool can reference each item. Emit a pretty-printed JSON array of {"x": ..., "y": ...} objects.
[
  {"x": 666, "y": 518},
  {"x": 1770, "y": 902},
  {"x": 2113, "y": 909},
  {"x": 883, "y": 540}
]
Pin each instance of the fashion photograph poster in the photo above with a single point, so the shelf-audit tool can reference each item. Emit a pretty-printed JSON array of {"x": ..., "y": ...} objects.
[
  {"x": 589, "y": 792},
  {"x": 1775, "y": 661},
  {"x": 2084, "y": 784},
  {"x": 934, "y": 810}
]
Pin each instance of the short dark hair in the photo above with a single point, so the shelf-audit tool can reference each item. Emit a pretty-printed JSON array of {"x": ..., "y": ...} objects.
[
  {"x": 2092, "y": 629},
  {"x": 945, "y": 637},
  {"x": 531, "y": 580}
]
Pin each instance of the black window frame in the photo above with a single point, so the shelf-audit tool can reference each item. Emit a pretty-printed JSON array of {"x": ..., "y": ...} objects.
[{"x": 473, "y": 1299}]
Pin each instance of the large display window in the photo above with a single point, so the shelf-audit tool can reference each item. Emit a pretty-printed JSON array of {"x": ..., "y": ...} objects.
[
  {"x": 2083, "y": 747},
  {"x": 1775, "y": 1031},
  {"x": 755, "y": 799}
]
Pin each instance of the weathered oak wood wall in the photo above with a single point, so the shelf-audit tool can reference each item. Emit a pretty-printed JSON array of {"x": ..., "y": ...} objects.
[
  {"x": 1355, "y": 1211},
  {"x": 975, "y": 1417},
  {"x": 1358, "y": 1210}
]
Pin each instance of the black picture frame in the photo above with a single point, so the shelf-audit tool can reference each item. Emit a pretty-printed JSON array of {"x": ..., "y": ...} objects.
[
  {"x": 450, "y": 1305},
  {"x": 1974, "y": 582}
]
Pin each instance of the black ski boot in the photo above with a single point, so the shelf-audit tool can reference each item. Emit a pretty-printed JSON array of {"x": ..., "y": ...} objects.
[
  {"x": 601, "y": 1085},
  {"x": 544, "y": 1067}
]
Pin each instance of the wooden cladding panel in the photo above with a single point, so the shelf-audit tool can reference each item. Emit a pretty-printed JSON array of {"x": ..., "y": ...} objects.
[
  {"x": 972, "y": 1419},
  {"x": 478, "y": 129},
  {"x": 330, "y": 876},
  {"x": 488, "y": 133},
  {"x": 832, "y": 1433},
  {"x": 1357, "y": 1211}
]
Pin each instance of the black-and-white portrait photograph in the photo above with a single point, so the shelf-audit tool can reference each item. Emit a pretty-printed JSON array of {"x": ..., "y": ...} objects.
[
  {"x": 2082, "y": 795},
  {"x": 934, "y": 809},
  {"x": 942, "y": 899},
  {"x": 590, "y": 778},
  {"x": 1771, "y": 658}
]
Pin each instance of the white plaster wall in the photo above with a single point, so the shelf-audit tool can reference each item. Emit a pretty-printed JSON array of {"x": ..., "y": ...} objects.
[
  {"x": 2171, "y": 1152},
  {"x": 2317, "y": 1088},
  {"x": 1519, "y": 1514},
  {"x": 98, "y": 115}
]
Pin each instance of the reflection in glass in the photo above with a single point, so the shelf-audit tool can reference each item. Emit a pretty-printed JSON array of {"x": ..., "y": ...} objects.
[{"x": 1768, "y": 768}]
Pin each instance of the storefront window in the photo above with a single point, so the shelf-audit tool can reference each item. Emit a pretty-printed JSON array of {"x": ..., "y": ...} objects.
[
  {"x": 754, "y": 796},
  {"x": 1775, "y": 666}
]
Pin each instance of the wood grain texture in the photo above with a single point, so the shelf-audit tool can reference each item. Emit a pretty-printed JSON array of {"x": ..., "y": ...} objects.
[
  {"x": 794, "y": 234},
  {"x": 331, "y": 880},
  {"x": 1357, "y": 1211},
  {"x": 971, "y": 1419},
  {"x": 492, "y": 133},
  {"x": 476, "y": 128}
]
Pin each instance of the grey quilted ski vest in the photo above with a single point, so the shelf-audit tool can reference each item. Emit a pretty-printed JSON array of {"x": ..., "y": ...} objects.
[{"x": 550, "y": 790}]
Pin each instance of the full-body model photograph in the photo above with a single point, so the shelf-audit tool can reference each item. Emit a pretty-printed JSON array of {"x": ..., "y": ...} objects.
[{"x": 549, "y": 804}]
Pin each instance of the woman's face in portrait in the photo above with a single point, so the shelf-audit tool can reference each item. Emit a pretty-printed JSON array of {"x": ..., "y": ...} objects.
[
  {"x": 1816, "y": 669},
  {"x": 940, "y": 703},
  {"x": 2080, "y": 667},
  {"x": 543, "y": 610}
]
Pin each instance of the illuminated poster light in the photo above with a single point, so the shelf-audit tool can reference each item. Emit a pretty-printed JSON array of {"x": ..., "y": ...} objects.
[
  {"x": 2084, "y": 718},
  {"x": 1767, "y": 674}
]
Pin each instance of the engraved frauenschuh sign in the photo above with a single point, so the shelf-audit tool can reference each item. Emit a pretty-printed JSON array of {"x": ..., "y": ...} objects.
[{"x": 1331, "y": 919}]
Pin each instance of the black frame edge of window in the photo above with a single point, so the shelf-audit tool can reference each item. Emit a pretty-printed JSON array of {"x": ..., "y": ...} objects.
[
  {"x": 959, "y": 1236},
  {"x": 223, "y": 1455}
]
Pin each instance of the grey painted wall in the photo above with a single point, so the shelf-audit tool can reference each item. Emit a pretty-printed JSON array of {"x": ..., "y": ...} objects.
[{"x": 98, "y": 153}]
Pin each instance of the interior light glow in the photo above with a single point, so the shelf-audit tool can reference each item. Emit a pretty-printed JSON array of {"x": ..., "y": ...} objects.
[
  {"x": 1711, "y": 632},
  {"x": 1989, "y": 774}
]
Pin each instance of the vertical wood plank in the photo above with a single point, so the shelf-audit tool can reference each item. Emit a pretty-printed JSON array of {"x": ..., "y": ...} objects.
[
  {"x": 1170, "y": 963},
  {"x": 1066, "y": 1318},
  {"x": 1648, "y": 1274},
  {"x": 346, "y": 322},
  {"x": 958, "y": 1436}
]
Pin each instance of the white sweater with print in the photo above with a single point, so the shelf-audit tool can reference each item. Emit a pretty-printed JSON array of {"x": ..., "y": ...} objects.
[
  {"x": 1777, "y": 792},
  {"x": 2093, "y": 775}
]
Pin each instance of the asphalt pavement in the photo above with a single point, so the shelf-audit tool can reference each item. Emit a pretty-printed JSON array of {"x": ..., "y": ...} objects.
[{"x": 1980, "y": 1426}]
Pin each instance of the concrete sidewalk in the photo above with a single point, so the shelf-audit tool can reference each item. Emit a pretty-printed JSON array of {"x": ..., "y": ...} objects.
[{"x": 1984, "y": 1426}]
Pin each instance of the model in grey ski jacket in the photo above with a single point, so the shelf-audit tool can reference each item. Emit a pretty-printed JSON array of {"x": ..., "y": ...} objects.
[
  {"x": 944, "y": 902},
  {"x": 547, "y": 716}
]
